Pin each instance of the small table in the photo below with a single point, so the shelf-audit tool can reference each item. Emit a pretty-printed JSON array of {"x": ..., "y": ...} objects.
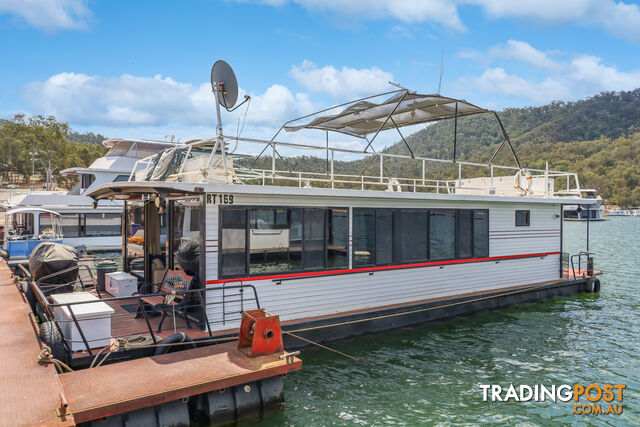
[{"x": 94, "y": 319}]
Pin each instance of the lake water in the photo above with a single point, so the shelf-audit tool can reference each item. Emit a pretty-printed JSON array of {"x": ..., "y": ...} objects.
[{"x": 431, "y": 374}]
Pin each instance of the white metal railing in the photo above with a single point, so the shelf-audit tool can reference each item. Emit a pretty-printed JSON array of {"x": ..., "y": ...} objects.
[{"x": 330, "y": 179}]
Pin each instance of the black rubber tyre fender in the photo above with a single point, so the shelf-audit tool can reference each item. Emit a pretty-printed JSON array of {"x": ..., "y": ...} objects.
[
  {"x": 180, "y": 337},
  {"x": 52, "y": 338},
  {"x": 596, "y": 286}
]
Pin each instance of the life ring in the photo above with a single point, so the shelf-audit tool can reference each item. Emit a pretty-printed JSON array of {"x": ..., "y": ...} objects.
[{"x": 522, "y": 181}]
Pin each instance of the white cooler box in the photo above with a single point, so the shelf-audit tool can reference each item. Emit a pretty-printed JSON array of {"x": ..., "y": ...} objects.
[
  {"x": 120, "y": 284},
  {"x": 94, "y": 320}
]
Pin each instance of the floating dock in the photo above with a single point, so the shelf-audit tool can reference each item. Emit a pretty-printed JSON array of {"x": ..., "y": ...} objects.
[{"x": 36, "y": 394}]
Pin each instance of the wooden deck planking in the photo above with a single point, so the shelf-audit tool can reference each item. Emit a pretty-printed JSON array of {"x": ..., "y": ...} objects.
[{"x": 30, "y": 392}]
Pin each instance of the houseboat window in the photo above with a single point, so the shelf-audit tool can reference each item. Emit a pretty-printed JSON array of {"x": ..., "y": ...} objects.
[
  {"x": 102, "y": 224},
  {"x": 523, "y": 218},
  {"x": 23, "y": 224},
  {"x": 442, "y": 232},
  {"x": 480, "y": 233},
  {"x": 135, "y": 238},
  {"x": 234, "y": 242},
  {"x": 185, "y": 236},
  {"x": 364, "y": 237},
  {"x": 70, "y": 225},
  {"x": 46, "y": 222},
  {"x": 384, "y": 236},
  {"x": 411, "y": 235},
  {"x": 274, "y": 240},
  {"x": 372, "y": 237},
  {"x": 121, "y": 178},
  {"x": 282, "y": 240},
  {"x": 313, "y": 245},
  {"x": 87, "y": 179},
  {"x": 464, "y": 234},
  {"x": 194, "y": 219},
  {"x": 338, "y": 238}
]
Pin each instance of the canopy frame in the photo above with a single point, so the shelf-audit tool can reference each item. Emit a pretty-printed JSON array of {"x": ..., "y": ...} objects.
[{"x": 398, "y": 96}]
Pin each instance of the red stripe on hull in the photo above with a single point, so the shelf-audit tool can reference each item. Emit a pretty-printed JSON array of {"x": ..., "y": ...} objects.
[{"x": 381, "y": 268}]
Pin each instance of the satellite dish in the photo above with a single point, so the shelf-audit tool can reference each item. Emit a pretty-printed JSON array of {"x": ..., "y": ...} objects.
[{"x": 222, "y": 75}]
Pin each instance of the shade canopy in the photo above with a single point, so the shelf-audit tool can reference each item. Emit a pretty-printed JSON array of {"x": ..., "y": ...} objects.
[
  {"x": 402, "y": 109},
  {"x": 30, "y": 210}
]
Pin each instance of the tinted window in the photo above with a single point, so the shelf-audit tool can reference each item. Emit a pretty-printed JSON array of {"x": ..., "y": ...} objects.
[
  {"x": 270, "y": 242},
  {"x": 338, "y": 238},
  {"x": 442, "y": 232},
  {"x": 194, "y": 220},
  {"x": 313, "y": 239},
  {"x": 103, "y": 224},
  {"x": 384, "y": 236},
  {"x": 364, "y": 233},
  {"x": 411, "y": 235},
  {"x": 464, "y": 234},
  {"x": 70, "y": 225},
  {"x": 233, "y": 242},
  {"x": 522, "y": 218},
  {"x": 121, "y": 178},
  {"x": 480, "y": 233}
]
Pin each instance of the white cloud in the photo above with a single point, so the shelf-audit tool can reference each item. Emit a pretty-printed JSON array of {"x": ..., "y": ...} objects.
[
  {"x": 497, "y": 80},
  {"x": 441, "y": 12},
  {"x": 152, "y": 101},
  {"x": 582, "y": 76},
  {"x": 592, "y": 74},
  {"x": 474, "y": 55},
  {"x": 346, "y": 83},
  {"x": 616, "y": 17},
  {"x": 524, "y": 52},
  {"x": 49, "y": 15}
]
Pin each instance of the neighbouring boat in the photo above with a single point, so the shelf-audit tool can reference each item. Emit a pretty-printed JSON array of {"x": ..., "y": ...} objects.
[
  {"x": 82, "y": 225},
  {"x": 584, "y": 212},
  {"x": 624, "y": 212},
  {"x": 337, "y": 254}
]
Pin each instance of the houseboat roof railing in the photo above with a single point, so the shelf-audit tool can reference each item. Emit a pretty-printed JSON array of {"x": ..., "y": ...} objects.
[
  {"x": 242, "y": 175},
  {"x": 360, "y": 118}
]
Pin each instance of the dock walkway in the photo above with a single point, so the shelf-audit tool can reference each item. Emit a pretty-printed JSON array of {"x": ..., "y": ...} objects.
[{"x": 30, "y": 392}]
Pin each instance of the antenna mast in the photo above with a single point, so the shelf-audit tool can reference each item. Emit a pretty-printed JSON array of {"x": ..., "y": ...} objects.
[{"x": 441, "y": 72}]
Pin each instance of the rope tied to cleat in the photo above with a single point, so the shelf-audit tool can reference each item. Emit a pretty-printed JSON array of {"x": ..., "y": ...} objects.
[{"x": 46, "y": 358}]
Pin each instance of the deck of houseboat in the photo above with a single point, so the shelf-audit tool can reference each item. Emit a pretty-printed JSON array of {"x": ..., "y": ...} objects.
[
  {"x": 35, "y": 394},
  {"x": 125, "y": 324}
]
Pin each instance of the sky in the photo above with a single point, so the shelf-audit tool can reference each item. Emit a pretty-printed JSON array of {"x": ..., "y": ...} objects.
[{"x": 141, "y": 69}]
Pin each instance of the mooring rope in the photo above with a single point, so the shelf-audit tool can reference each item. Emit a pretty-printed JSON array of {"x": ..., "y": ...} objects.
[{"x": 46, "y": 358}]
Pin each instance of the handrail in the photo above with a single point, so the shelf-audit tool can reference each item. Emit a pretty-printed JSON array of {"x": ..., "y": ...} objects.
[
  {"x": 302, "y": 178},
  {"x": 138, "y": 298}
]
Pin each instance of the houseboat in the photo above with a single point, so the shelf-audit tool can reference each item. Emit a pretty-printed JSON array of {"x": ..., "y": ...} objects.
[
  {"x": 83, "y": 226},
  {"x": 591, "y": 212},
  {"x": 336, "y": 254}
]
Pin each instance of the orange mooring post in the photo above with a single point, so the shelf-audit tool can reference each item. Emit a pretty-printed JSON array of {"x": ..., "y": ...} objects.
[{"x": 261, "y": 332}]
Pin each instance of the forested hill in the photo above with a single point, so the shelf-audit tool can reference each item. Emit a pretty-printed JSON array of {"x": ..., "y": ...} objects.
[{"x": 598, "y": 137}]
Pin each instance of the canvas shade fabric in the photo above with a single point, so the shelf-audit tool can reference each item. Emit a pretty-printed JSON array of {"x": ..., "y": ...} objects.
[{"x": 364, "y": 117}]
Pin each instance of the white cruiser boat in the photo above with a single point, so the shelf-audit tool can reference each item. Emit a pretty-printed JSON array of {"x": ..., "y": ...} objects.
[
  {"x": 30, "y": 215},
  {"x": 337, "y": 254}
]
